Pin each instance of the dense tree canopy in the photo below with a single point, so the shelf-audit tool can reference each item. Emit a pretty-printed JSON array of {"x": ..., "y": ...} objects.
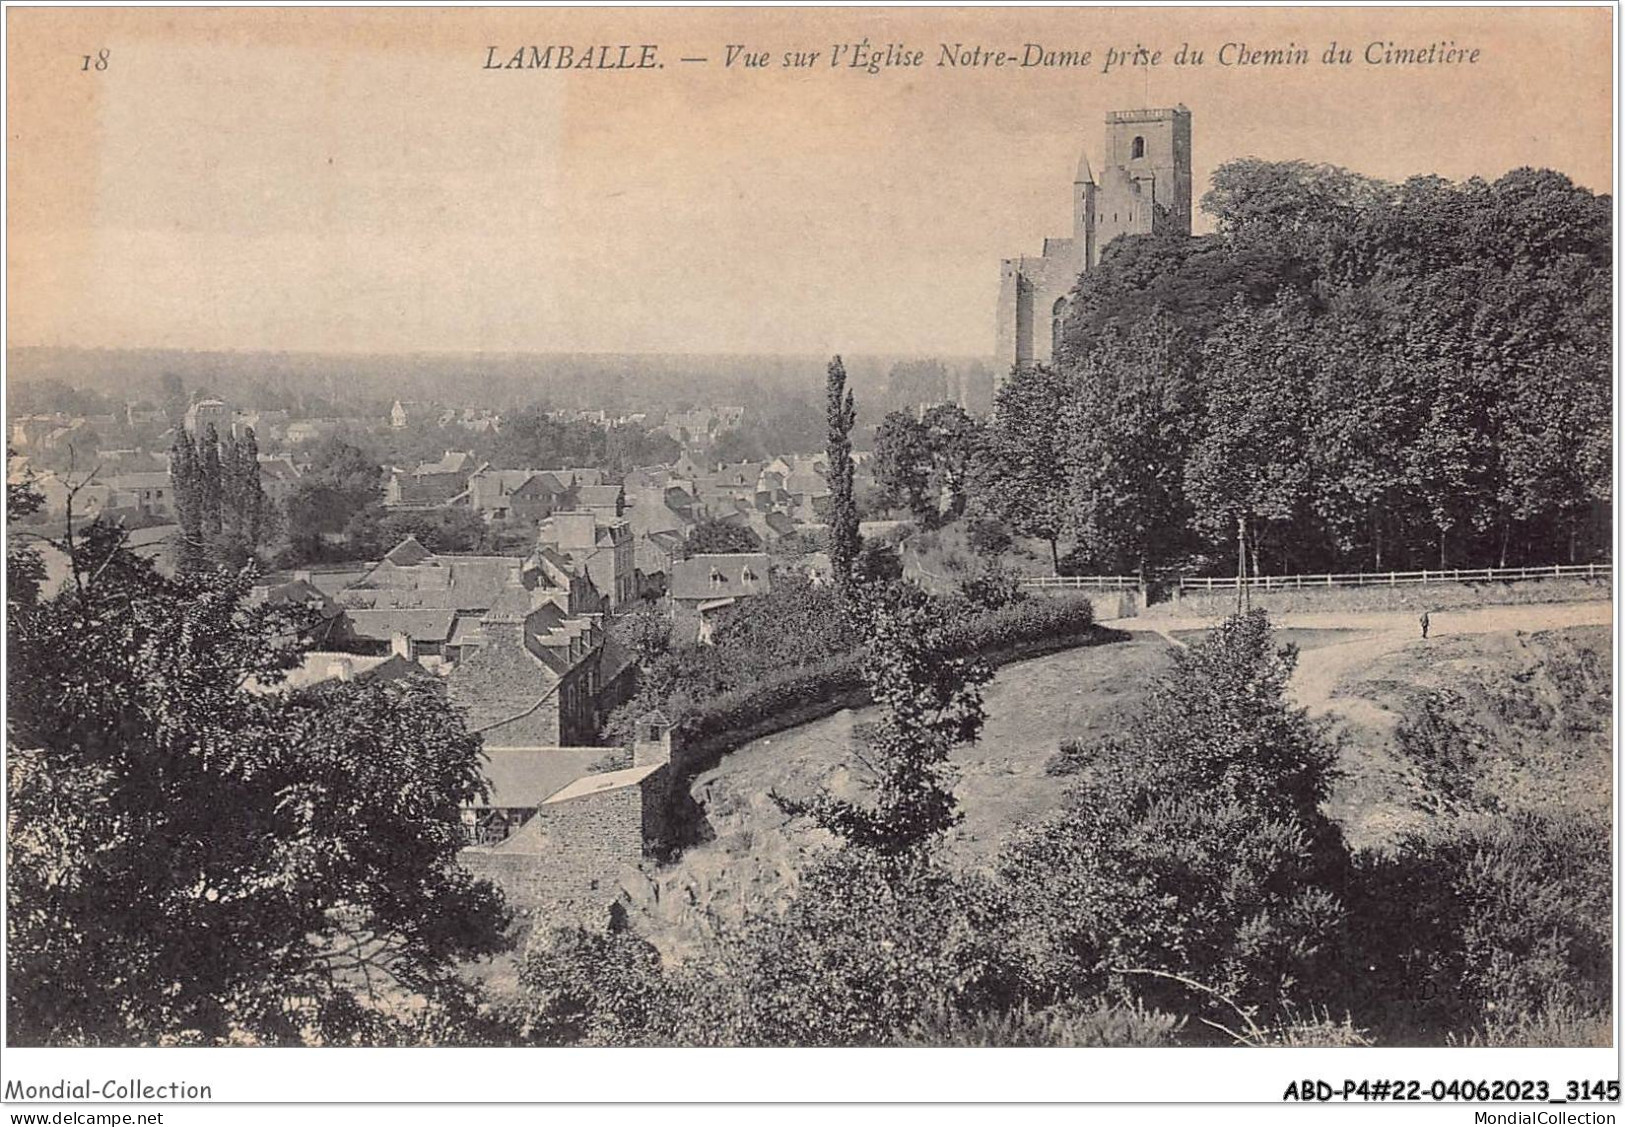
[
  {"x": 1350, "y": 373},
  {"x": 194, "y": 862}
]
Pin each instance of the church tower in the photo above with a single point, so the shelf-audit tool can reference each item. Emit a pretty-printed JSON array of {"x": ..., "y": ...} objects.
[
  {"x": 1144, "y": 186},
  {"x": 1147, "y": 185}
]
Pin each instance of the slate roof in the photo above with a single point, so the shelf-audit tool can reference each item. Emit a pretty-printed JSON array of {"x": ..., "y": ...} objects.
[
  {"x": 693, "y": 578},
  {"x": 525, "y": 776},
  {"x": 418, "y": 578},
  {"x": 432, "y": 624},
  {"x": 394, "y": 668},
  {"x": 409, "y": 553},
  {"x": 614, "y": 660},
  {"x": 604, "y": 780},
  {"x": 598, "y": 496},
  {"x": 453, "y": 461}
]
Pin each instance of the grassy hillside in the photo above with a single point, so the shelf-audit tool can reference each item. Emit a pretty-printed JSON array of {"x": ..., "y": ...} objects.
[
  {"x": 755, "y": 853},
  {"x": 1497, "y": 722}
]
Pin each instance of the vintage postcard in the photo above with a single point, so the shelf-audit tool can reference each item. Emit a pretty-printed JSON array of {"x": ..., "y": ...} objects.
[{"x": 941, "y": 528}]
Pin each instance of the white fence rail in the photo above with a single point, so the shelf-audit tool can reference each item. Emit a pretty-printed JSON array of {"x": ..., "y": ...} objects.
[
  {"x": 1349, "y": 579},
  {"x": 1081, "y": 582},
  {"x": 1401, "y": 578}
]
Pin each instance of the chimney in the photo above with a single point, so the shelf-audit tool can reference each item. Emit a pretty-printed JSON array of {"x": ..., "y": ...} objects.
[{"x": 651, "y": 741}]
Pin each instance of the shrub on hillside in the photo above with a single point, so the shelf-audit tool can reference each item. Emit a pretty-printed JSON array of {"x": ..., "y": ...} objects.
[
  {"x": 992, "y": 590},
  {"x": 1087, "y": 1023},
  {"x": 1196, "y": 868},
  {"x": 777, "y": 656},
  {"x": 1488, "y": 923},
  {"x": 872, "y": 945},
  {"x": 1438, "y": 737}
]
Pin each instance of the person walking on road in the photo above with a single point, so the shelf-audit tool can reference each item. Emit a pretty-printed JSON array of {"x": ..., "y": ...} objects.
[{"x": 1424, "y": 621}]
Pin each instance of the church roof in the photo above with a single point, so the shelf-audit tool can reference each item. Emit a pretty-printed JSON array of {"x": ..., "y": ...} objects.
[{"x": 1086, "y": 175}]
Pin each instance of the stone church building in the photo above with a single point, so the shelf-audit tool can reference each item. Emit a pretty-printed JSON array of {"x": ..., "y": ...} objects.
[{"x": 1144, "y": 186}]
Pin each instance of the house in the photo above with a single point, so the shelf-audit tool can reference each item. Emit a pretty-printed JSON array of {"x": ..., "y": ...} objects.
[
  {"x": 206, "y": 413},
  {"x": 412, "y": 633},
  {"x": 599, "y": 547},
  {"x": 646, "y": 477},
  {"x": 151, "y": 493},
  {"x": 533, "y": 677},
  {"x": 264, "y": 424},
  {"x": 411, "y": 577},
  {"x": 530, "y": 495},
  {"x": 704, "y": 584},
  {"x": 609, "y": 500},
  {"x": 771, "y": 526},
  {"x": 302, "y": 432},
  {"x": 278, "y": 476},
  {"x": 431, "y": 483},
  {"x": 582, "y": 476},
  {"x": 562, "y": 845}
]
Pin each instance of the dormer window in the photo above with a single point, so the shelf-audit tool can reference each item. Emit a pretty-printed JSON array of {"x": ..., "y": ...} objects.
[
  {"x": 747, "y": 576},
  {"x": 716, "y": 578}
]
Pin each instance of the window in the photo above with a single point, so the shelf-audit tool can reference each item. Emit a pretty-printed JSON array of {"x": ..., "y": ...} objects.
[{"x": 1139, "y": 149}]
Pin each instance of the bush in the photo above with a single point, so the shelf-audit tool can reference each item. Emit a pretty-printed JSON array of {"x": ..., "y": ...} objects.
[
  {"x": 776, "y": 657},
  {"x": 1490, "y": 923},
  {"x": 1087, "y": 1023},
  {"x": 871, "y": 946},
  {"x": 987, "y": 537},
  {"x": 1438, "y": 736},
  {"x": 992, "y": 590},
  {"x": 1196, "y": 868}
]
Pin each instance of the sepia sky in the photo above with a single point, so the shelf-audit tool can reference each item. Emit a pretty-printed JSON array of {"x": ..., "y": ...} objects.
[{"x": 355, "y": 180}]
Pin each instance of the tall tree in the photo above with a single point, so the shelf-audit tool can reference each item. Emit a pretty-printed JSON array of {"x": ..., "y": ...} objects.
[
  {"x": 930, "y": 703},
  {"x": 841, "y": 413},
  {"x": 1250, "y": 465},
  {"x": 343, "y": 480},
  {"x": 1020, "y": 468},
  {"x": 186, "y": 487},
  {"x": 953, "y": 437},
  {"x": 249, "y": 502},
  {"x": 902, "y": 465},
  {"x": 1132, "y": 420},
  {"x": 210, "y": 486}
]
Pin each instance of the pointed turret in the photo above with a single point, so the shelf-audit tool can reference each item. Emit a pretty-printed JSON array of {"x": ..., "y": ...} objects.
[{"x": 1085, "y": 174}]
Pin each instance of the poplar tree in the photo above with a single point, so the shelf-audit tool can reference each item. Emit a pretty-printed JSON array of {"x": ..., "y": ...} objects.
[
  {"x": 185, "y": 477},
  {"x": 209, "y": 492},
  {"x": 844, "y": 539}
]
